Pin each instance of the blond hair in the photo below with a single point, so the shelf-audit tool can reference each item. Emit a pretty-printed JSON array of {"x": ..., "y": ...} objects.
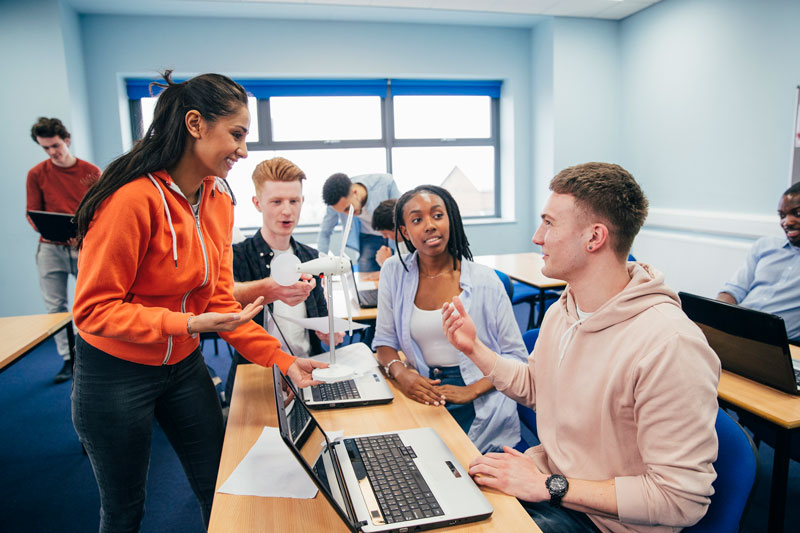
[{"x": 276, "y": 169}]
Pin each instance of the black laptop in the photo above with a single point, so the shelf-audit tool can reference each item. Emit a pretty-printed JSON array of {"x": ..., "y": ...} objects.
[
  {"x": 367, "y": 298},
  {"x": 748, "y": 342},
  {"x": 55, "y": 227}
]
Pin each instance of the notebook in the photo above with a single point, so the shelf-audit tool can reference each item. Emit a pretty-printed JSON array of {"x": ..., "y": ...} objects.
[
  {"x": 369, "y": 388},
  {"x": 367, "y": 298},
  {"x": 56, "y": 227},
  {"x": 393, "y": 482},
  {"x": 748, "y": 342}
]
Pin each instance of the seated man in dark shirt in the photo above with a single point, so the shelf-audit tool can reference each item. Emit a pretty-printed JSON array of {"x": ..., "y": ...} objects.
[{"x": 279, "y": 198}]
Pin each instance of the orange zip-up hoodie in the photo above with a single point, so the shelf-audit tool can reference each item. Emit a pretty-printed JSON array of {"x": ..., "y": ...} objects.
[{"x": 148, "y": 264}]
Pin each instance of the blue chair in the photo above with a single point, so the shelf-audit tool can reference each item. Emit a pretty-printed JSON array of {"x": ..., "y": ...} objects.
[
  {"x": 527, "y": 416},
  {"x": 736, "y": 467},
  {"x": 631, "y": 258},
  {"x": 507, "y": 284}
]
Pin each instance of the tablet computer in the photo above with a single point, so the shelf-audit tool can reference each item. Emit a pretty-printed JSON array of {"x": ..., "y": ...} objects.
[{"x": 56, "y": 227}]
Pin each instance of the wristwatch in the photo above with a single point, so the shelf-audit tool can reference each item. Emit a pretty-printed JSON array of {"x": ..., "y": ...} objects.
[{"x": 557, "y": 485}]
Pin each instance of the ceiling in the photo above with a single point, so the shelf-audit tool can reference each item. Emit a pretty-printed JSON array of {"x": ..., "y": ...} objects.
[{"x": 514, "y": 13}]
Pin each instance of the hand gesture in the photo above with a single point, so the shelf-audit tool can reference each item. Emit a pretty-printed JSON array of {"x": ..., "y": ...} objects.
[
  {"x": 225, "y": 321},
  {"x": 293, "y": 294},
  {"x": 512, "y": 472},
  {"x": 458, "y": 326},
  {"x": 419, "y": 388},
  {"x": 300, "y": 371},
  {"x": 383, "y": 253}
]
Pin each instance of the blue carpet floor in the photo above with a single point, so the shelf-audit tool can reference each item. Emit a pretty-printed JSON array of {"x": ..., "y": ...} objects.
[{"x": 47, "y": 483}]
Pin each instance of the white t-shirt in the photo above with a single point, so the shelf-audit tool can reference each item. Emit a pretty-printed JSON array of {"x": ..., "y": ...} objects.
[
  {"x": 582, "y": 315},
  {"x": 295, "y": 335},
  {"x": 426, "y": 331}
]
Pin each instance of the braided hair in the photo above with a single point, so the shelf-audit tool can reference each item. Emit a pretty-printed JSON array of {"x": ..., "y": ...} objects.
[{"x": 457, "y": 244}]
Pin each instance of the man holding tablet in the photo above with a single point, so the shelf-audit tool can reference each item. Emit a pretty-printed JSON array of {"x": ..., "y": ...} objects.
[{"x": 57, "y": 185}]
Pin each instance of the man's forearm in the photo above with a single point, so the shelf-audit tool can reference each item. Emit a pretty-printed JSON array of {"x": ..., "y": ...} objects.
[
  {"x": 246, "y": 292},
  {"x": 727, "y": 298},
  {"x": 483, "y": 357},
  {"x": 593, "y": 497}
]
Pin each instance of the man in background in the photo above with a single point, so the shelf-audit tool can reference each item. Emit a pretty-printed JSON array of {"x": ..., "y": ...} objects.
[
  {"x": 57, "y": 185},
  {"x": 769, "y": 279},
  {"x": 279, "y": 198},
  {"x": 364, "y": 193},
  {"x": 383, "y": 221}
]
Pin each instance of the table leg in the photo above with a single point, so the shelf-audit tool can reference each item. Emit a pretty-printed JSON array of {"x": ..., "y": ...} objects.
[
  {"x": 780, "y": 477},
  {"x": 542, "y": 297}
]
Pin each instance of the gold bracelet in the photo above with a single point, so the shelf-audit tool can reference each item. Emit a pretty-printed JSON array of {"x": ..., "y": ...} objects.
[{"x": 393, "y": 361}]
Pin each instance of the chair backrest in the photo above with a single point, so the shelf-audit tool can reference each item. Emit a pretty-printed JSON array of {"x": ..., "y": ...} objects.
[
  {"x": 631, "y": 258},
  {"x": 736, "y": 467},
  {"x": 529, "y": 338},
  {"x": 506, "y": 283}
]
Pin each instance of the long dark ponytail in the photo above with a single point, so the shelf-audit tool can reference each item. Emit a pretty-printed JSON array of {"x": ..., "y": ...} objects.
[
  {"x": 212, "y": 95},
  {"x": 457, "y": 245}
]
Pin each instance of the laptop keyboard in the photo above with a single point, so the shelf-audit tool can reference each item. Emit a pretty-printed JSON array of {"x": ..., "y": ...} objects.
[
  {"x": 399, "y": 488},
  {"x": 341, "y": 390},
  {"x": 797, "y": 375}
]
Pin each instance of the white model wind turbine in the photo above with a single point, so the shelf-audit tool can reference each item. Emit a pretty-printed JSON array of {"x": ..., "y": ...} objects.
[{"x": 286, "y": 269}]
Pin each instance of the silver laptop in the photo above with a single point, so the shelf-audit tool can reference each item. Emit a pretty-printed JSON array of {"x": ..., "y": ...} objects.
[
  {"x": 367, "y": 298},
  {"x": 396, "y": 482},
  {"x": 369, "y": 388},
  {"x": 750, "y": 343}
]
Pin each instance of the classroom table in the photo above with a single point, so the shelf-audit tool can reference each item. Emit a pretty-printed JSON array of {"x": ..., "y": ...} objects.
[
  {"x": 778, "y": 408},
  {"x": 253, "y": 407},
  {"x": 526, "y": 268},
  {"x": 21, "y": 334}
]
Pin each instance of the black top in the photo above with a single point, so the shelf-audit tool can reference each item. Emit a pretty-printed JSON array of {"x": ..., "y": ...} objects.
[{"x": 251, "y": 262}]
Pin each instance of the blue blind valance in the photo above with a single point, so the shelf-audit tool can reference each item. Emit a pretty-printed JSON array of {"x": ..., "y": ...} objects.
[{"x": 138, "y": 88}]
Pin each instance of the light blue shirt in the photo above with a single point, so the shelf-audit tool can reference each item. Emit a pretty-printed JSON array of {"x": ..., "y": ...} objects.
[
  {"x": 380, "y": 187},
  {"x": 769, "y": 281},
  {"x": 496, "y": 421}
]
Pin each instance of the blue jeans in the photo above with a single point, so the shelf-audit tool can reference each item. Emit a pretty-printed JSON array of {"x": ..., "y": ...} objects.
[
  {"x": 55, "y": 263},
  {"x": 368, "y": 247},
  {"x": 464, "y": 413},
  {"x": 114, "y": 405},
  {"x": 558, "y": 519}
]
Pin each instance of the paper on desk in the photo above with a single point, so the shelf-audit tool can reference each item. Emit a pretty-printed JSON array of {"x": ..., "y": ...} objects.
[
  {"x": 357, "y": 356},
  {"x": 269, "y": 469},
  {"x": 321, "y": 323}
]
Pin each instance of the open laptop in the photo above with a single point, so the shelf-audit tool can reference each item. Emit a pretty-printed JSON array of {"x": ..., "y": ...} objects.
[
  {"x": 55, "y": 227},
  {"x": 387, "y": 482},
  {"x": 750, "y": 343},
  {"x": 369, "y": 388},
  {"x": 367, "y": 298}
]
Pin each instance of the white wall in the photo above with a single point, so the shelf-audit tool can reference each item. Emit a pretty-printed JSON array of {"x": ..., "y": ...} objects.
[
  {"x": 38, "y": 80},
  {"x": 708, "y": 88}
]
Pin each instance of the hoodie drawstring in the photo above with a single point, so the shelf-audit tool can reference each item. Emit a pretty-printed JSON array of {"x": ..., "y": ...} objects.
[{"x": 169, "y": 220}]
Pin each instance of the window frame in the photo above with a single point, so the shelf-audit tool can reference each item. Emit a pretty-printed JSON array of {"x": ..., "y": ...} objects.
[{"x": 387, "y": 140}]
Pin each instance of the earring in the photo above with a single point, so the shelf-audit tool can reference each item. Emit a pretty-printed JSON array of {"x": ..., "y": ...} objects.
[{"x": 590, "y": 247}]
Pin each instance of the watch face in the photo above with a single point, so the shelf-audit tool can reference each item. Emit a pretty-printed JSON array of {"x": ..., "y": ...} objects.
[{"x": 557, "y": 484}]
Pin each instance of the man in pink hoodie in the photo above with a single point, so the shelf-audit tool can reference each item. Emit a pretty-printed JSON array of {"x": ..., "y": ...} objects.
[{"x": 624, "y": 385}]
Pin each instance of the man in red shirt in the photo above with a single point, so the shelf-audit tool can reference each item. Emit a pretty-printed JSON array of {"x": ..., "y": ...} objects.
[{"x": 57, "y": 185}]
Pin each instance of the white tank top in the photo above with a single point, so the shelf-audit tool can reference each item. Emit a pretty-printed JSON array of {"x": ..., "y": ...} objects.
[{"x": 426, "y": 330}]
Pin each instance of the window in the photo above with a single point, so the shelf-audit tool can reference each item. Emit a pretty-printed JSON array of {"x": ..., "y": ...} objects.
[{"x": 420, "y": 131}]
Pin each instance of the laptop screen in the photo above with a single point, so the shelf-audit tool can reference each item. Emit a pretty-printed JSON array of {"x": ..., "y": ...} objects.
[{"x": 306, "y": 440}]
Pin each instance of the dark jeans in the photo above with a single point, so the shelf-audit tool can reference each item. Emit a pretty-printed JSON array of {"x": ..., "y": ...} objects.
[
  {"x": 558, "y": 519},
  {"x": 464, "y": 413},
  {"x": 368, "y": 247},
  {"x": 114, "y": 405}
]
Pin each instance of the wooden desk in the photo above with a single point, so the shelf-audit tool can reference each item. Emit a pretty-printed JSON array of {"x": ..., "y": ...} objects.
[
  {"x": 21, "y": 334},
  {"x": 524, "y": 267},
  {"x": 253, "y": 407},
  {"x": 780, "y": 409}
]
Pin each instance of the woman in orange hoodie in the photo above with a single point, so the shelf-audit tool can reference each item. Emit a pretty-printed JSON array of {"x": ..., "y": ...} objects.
[{"x": 154, "y": 271}]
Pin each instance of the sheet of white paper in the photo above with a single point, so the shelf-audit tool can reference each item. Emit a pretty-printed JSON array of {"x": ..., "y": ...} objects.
[
  {"x": 357, "y": 356},
  {"x": 269, "y": 469},
  {"x": 321, "y": 323}
]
